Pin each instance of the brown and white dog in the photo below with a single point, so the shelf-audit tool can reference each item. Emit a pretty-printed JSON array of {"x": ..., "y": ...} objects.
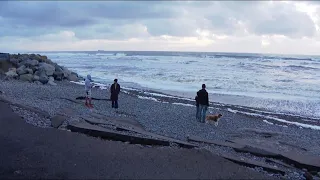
[{"x": 214, "y": 118}]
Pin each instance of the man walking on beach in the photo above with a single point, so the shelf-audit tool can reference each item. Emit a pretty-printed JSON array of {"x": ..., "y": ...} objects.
[
  {"x": 203, "y": 100},
  {"x": 115, "y": 90},
  {"x": 88, "y": 86}
]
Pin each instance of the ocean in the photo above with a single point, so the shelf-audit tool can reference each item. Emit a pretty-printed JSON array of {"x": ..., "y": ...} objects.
[{"x": 278, "y": 83}]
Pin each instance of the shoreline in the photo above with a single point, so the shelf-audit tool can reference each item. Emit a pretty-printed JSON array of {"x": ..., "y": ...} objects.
[
  {"x": 276, "y": 118},
  {"x": 239, "y": 101}
]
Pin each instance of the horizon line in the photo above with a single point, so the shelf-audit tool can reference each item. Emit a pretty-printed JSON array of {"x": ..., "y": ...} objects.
[{"x": 252, "y": 53}]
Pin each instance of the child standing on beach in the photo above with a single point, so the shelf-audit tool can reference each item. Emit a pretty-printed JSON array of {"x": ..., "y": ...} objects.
[
  {"x": 115, "y": 90},
  {"x": 88, "y": 87}
]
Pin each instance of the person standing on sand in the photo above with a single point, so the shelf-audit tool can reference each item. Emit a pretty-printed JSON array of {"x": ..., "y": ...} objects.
[
  {"x": 88, "y": 86},
  {"x": 115, "y": 90},
  {"x": 203, "y": 99}
]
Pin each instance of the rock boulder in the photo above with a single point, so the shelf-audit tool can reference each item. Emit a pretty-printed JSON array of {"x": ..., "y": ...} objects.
[
  {"x": 12, "y": 73},
  {"x": 44, "y": 79},
  {"x": 31, "y": 63},
  {"x": 38, "y": 73},
  {"x": 73, "y": 77},
  {"x": 66, "y": 72},
  {"x": 14, "y": 61},
  {"x": 57, "y": 120},
  {"x": 37, "y": 82},
  {"x": 51, "y": 81},
  {"x": 58, "y": 75},
  {"x": 29, "y": 71},
  {"x": 36, "y": 78},
  {"x": 22, "y": 70},
  {"x": 48, "y": 69},
  {"x": 26, "y": 77}
]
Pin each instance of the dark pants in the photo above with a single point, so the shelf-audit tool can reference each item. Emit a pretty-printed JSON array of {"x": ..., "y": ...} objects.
[
  {"x": 202, "y": 112},
  {"x": 115, "y": 104}
]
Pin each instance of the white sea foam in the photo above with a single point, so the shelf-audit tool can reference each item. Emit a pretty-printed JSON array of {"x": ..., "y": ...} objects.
[
  {"x": 149, "y": 98},
  {"x": 314, "y": 127},
  {"x": 268, "y": 122},
  {"x": 124, "y": 91},
  {"x": 233, "y": 111},
  {"x": 100, "y": 85},
  {"x": 130, "y": 89},
  {"x": 277, "y": 83},
  {"x": 80, "y": 83},
  {"x": 184, "y": 104}
]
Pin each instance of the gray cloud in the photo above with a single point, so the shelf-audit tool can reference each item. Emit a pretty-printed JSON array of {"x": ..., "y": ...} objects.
[
  {"x": 285, "y": 21},
  {"x": 71, "y": 13},
  {"x": 124, "y": 19}
]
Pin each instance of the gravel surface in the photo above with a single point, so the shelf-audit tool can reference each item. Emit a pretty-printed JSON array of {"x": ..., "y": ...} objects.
[
  {"x": 168, "y": 119},
  {"x": 29, "y": 152},
  {"x": 32, "y": 118}
]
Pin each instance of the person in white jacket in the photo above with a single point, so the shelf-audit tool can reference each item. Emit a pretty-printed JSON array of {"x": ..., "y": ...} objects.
[{"x": 88, "y": 86}]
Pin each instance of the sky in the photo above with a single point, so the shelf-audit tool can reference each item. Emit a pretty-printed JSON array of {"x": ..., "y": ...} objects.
[{"x": 277, "y": 27}]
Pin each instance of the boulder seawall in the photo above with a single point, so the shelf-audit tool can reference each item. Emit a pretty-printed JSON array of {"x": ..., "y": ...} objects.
[{"x": 34, "y": 68}]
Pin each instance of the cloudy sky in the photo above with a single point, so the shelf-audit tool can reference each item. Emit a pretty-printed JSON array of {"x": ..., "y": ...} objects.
[{"x": 218, "y": 26}]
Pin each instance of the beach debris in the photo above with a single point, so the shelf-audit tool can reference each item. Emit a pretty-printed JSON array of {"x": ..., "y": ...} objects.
[
  {"x": 300, "y": 159},
  {"x": 215, "y": 142},
  {"x": 136, "y": 137},
  {"x": 253, "y": 163},
  {"x": 280, "y": 163},
  {"x": 57, "y": 120}
]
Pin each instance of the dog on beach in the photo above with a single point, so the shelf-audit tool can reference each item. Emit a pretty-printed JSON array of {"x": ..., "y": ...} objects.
[{"x": 213, "y": 118}]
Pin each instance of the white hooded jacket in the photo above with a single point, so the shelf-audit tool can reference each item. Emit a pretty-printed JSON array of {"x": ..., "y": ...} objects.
[{"x": 87, "y": 83}]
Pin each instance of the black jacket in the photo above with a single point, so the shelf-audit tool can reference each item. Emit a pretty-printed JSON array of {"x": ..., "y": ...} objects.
[
  {"x": 197, "y": 102},
  {"x": 114, "y": 92},
  {"x": 203, "y": 97}
]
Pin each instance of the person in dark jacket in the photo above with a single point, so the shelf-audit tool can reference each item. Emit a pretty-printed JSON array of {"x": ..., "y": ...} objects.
[
  {"x": 115, "y": 90},
  {"x": 197, "y": 107},
  {"x": 203, "y": 100}
]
